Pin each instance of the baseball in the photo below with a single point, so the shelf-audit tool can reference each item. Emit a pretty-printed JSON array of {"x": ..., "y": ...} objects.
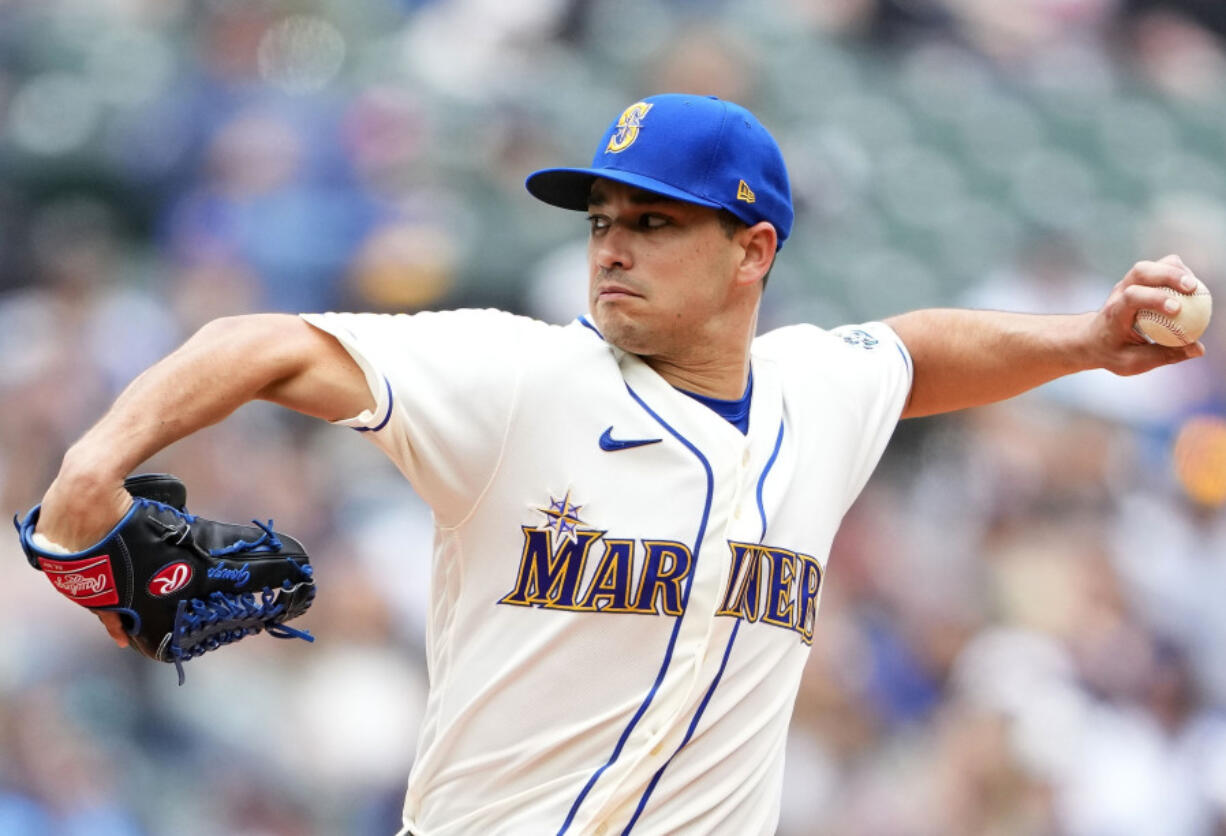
[{"x": 1182, "y": 328}]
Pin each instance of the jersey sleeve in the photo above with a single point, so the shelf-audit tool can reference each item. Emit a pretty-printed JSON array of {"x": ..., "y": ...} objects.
[
  {"x": 855, "y": 382},
  {"x": 881, "y": 382},
  {"x": 444, "y": 386}
]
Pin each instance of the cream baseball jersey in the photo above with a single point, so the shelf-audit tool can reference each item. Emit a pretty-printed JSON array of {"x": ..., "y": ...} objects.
[{"x": 624, "y": 586}]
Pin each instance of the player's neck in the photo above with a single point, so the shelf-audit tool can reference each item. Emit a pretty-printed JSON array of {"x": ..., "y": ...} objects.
[
  {"x": 715, "y": 365},
  {"x": 717, "y": 377}
]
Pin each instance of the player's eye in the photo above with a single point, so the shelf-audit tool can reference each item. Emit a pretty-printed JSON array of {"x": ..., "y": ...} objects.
[
  {"x": 650, "y": 221},
  {"x": 597, "y": 222}
]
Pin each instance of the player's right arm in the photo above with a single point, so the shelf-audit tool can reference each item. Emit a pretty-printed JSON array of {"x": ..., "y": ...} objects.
[
  {"x": 229, "y": 362},
  {"x": 966, "y": 358}
]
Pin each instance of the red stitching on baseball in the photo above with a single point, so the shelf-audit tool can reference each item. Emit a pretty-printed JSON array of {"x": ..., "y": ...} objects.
[{"x": 1166, "y": 323}]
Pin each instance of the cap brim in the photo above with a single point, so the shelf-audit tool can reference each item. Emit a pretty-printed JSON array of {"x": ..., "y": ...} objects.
[{"x": 570, "y": 188}]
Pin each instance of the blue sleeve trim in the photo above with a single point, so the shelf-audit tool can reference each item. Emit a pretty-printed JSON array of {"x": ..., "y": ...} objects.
[
  {"x": 391, "y": 400},
  {"x": 906, "y": 358},
  {"x": 672, "y": 640},
  {"x": 702, "y": 707}
]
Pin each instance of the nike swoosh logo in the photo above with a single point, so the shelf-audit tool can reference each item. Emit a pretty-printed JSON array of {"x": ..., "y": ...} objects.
[{"x": 608, "y": 443}]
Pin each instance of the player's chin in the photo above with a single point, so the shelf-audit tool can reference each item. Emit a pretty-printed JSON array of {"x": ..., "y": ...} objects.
[
  {"x": 621, "y": 329},
  {"x": 613, "y": 313}
]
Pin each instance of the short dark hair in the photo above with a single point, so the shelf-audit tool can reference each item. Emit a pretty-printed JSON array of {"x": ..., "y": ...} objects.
[{"x": 731, "y": 224}]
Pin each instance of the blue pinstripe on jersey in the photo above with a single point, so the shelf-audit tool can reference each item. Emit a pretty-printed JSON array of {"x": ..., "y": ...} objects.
[
  {"x": 585, "y": 321},
  {"x": 762, "y": 480},
  {"x": 689, "y": 733},
  {"x": 672, "y": 640}
]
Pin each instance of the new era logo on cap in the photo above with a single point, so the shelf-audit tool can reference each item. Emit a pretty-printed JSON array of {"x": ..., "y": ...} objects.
[{"x": 697, "y": 149}]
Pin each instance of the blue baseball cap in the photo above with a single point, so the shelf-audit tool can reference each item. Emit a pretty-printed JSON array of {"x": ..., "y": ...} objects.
[{"x": 697, "y": 149}]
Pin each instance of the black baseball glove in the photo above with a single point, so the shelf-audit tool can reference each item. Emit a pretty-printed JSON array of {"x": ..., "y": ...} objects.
[{"x": 182, "y": 585}]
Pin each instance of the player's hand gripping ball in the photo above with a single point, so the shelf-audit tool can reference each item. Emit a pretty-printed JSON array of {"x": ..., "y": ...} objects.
[
  {"x": 1184, "y": 327},
  {"x": 181, "y": 584}
]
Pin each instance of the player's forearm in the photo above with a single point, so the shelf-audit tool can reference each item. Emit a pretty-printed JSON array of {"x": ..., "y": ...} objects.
[
  {"x": 226, "y": 364},
  {"x": 965, "y": 358}
]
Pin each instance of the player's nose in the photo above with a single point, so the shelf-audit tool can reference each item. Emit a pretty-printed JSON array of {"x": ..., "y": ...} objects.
[{"x": 612, "y": 249}]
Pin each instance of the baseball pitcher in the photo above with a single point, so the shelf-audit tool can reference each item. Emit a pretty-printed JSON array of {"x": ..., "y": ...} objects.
[{"x": 633, "y": 512}]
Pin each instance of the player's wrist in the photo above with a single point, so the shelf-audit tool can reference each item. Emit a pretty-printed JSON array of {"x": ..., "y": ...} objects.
[
  {"x": 93, "y": 465},
  {"x": 84, "y": 500},
  {"x": 1082, "y": 342}
]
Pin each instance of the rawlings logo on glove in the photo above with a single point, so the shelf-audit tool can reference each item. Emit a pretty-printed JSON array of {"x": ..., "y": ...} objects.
[
  {"x": 89, "y": 582},
  {"x": 170, "y": 580},
  {"x": 164, "y": 572}
]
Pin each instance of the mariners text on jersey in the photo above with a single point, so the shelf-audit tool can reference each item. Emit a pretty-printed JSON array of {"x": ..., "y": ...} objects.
[
  {"x": 624, "y": 584},
  {"x": 767, "y": 584}
]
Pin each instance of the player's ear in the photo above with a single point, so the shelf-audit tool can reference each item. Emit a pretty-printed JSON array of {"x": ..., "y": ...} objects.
[{"x": 758, "y": 245}]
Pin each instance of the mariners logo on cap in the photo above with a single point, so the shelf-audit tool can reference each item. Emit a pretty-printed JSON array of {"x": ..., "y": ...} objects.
[{"x": 627, "y": 127}]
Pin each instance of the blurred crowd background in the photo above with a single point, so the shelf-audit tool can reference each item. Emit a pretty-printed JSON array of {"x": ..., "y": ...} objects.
[{"x": 1022, "y": 629}]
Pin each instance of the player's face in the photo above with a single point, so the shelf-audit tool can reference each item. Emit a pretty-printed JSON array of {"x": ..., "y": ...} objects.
[{"x": 660, "y": 271}]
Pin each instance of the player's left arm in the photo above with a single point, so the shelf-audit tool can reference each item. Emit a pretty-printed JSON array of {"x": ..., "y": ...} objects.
[{"x": 965, "y": 358}]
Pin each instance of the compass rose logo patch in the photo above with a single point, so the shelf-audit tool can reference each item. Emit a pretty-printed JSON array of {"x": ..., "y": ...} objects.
[{"x": 562, "y": 517}]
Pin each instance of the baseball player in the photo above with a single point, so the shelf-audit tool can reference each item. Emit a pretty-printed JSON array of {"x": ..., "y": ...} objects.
[{"x": 633, "y": 512}]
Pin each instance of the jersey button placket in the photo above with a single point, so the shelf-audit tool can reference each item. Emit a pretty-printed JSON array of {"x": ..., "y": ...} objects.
[{"x": 741, "y": 470}]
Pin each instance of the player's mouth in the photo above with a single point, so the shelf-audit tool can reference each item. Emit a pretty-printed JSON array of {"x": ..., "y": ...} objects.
[{"x": 614, "y": 292}]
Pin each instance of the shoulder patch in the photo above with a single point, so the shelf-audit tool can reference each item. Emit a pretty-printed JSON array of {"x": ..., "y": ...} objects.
[{"x": 861, "y": 338}]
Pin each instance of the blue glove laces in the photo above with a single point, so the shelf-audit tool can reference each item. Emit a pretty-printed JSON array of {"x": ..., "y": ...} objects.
[
  {"x": 204, "y": 625},
  {"x": 266, "y": 542}
]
